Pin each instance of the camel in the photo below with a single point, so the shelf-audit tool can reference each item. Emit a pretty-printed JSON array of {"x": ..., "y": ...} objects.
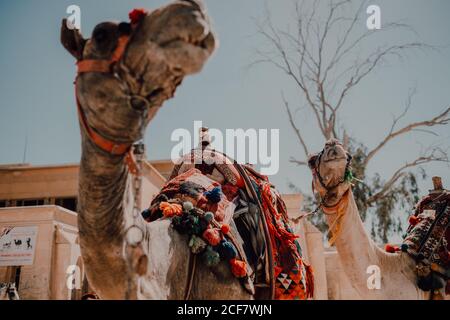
[
  {"x": 8, "y": 291},
  {"x": 164, "y": 46},
  {"x": 357, "y": 251}
]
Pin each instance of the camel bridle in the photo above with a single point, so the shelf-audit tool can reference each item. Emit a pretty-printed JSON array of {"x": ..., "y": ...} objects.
[
  {"x": 101, "y": 66},
  {"x": 329, "y": 189}
]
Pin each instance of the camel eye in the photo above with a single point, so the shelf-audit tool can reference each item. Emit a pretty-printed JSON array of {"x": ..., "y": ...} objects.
[{"x": 349, "y": 157}]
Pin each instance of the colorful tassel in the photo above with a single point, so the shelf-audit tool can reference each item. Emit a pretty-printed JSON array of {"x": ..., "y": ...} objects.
[
  {"x": 197, "y": 244},
  {"x": 211, "y": 257},
  {"x": 413, "y": 220},
  {"x": 391, "y": 249},
  {"x": 238, "y": 268},
  {"x": 227, "y": 250},
  {"x": 214, "y": 195},
  {"x": 170, "y": 209},
  {"x": 188, "y": 206},
  {"x": 212, "y": 236},
  {"x": 209, "y": 216},
  {"x": 309, "y": 281},
  {"x": 137, "y": 15},
  {"x": 146, "y": 214},
  {"x": 225, "y": 228},
  {"x": 196, "y": 227},
  {"x": 348, "y": 176}
]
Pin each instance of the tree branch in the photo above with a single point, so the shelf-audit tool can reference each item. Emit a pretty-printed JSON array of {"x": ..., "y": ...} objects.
[
  {"x": 294, "y": 126},
  {"x": 298, "y": 162},
  {"x": 436, "y": 154},
  {"x": 441, "y": 119}
]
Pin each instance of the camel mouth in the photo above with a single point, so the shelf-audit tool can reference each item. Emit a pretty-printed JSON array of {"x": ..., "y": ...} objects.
[
  {"x": 335, "y": 159},
  {"x": 201, "y": 42}
]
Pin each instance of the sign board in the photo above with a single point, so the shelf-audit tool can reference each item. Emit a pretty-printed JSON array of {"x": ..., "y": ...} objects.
[{"x": 17, "y": 245}]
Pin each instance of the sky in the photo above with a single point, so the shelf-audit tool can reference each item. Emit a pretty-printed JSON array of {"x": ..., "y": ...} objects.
[{"x": 37, "y": 105}]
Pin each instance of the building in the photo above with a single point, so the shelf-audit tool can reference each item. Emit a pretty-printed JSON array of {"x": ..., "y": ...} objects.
[{"x": 38, "y": 206}]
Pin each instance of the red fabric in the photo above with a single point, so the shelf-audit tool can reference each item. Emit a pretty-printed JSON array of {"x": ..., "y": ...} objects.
[
  {"x": 293, "y": 277},
  {"x": 230, "y": 191}
]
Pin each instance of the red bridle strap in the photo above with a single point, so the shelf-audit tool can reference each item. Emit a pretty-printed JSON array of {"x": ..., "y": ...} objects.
[{"x": 102, "y": 66}]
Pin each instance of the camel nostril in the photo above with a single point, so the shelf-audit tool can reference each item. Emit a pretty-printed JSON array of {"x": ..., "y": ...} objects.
[
  {"x": 138, "y": 103},
  {"x": 332, "y": 152}
]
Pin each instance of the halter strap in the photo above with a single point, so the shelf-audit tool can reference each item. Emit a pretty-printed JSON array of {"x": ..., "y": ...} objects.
[{"x": 102, "y": 66}]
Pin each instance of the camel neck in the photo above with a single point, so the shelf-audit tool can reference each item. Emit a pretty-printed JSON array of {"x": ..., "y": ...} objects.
[
  {"x": 102, "y": 187},
  {"x": 356, "y": 250}
]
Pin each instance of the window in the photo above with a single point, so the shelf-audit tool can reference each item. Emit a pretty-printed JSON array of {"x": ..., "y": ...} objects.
[
  {"x": 68, "y": 203},
  {"x": 17, "y": 277},
  {"x": 29, "y": 202}
]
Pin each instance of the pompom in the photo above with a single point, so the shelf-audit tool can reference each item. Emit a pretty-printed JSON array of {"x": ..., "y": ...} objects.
[
  {"x": 211, "y": 257},
  {"x": 413, "y": 220},
  {"x": 197, "y": 244},
  {"x": 136, "y": 15},
  {"x": 225, "y": 228},
  {"x": 227, "y": 250},
  {"x": 214, "y": 195},
  {"x": 180, "y": 225},
  {"x": 146, "y": 214},
  {"x": 170, "y": 209},
  {"x": 188, "y": 206},
  {"x": 212, "y": 236},
  {"x": 391, "y": 249},
  {"x": 404, "y": 247},
  {"x": 209, "y": 216},
  {"x": 238, "y": 268},
  {"x": 194, "y": 225}
]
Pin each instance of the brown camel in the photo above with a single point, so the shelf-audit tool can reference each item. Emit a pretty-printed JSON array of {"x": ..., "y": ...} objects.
[
  {"x": 125, "y": 73},
  {"x": 164, "y": 46}
]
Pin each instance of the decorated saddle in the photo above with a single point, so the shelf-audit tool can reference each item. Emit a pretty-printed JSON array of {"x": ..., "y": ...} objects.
[
  {"x": 427, "y": 240},
  {"x": 232, "y": 213}
]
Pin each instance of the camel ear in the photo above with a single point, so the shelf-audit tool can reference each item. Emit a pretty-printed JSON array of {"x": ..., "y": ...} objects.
[
  {"x": 312, "y": 159},
  {"x": 72, "y": 40},
  {"x": 198, "y": 4},
  {"x": 349, "y": 157}
]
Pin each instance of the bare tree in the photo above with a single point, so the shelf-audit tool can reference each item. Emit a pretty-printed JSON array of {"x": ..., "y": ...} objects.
[{"x": 323, "y": 60}]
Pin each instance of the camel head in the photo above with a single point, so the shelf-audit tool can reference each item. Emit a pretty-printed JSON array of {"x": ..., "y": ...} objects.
[
  {"x": 127, "y": 70},
  {"x": 330, "y": 170}
]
